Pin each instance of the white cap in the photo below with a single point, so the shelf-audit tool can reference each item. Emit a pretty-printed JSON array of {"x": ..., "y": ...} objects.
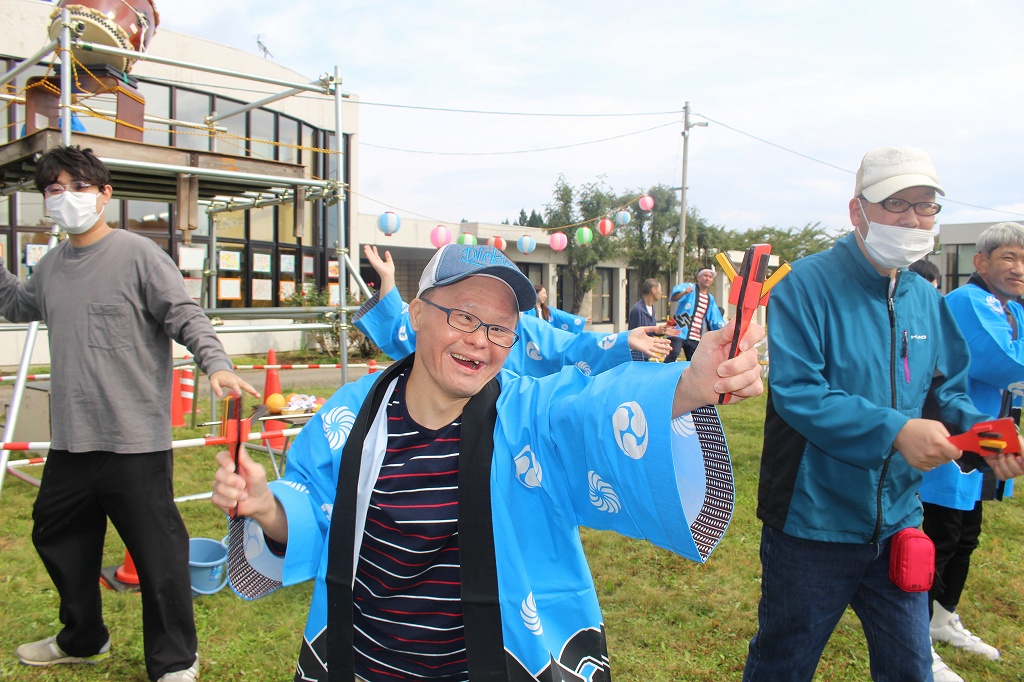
[{"x": 886, "y": 170}]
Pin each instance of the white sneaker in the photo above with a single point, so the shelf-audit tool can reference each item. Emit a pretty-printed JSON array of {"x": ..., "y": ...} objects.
[
  {"x": 186, "y": 675},
  {"x": 941, "y": 671},
  {"x": 946, "y": 627},
  {"x": 46, "y": 652}
]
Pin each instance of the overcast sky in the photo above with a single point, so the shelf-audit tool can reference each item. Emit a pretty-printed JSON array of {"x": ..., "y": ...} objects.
[{"x": 794, "y": 93}]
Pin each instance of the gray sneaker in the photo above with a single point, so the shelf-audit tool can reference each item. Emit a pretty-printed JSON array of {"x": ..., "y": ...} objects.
[
  {"x": 186, "y": 675},
  {"x": 46, "y": 652}
]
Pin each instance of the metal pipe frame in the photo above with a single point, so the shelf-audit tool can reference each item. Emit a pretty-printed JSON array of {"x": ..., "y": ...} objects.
[
  {"x": 28, "y": 63},
  {"x": 339, "y": 206},
  {"x": 324, "y": 88},
  {"x": 169, "y": 169},
  {"x": 145, "y": 56},
  {"x": 33, "y": 328}
]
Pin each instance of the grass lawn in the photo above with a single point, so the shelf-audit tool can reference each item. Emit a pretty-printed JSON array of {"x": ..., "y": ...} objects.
[{"x": 667, "y": 619}]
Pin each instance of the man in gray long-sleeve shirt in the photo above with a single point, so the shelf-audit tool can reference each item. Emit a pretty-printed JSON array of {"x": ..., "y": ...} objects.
[{"x": 112, "y": 301}]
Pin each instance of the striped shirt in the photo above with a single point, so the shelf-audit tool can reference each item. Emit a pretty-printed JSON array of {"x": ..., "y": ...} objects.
[
  {"x": 407, "y": 610},
  {"x": 697, "y": 321}
]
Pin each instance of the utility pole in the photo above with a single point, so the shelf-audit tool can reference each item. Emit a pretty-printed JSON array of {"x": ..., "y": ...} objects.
[{"x": 680, "y": 278}]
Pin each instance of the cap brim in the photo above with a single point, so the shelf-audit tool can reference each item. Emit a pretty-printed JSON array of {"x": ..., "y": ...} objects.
[{"x": 880, "y": 191}]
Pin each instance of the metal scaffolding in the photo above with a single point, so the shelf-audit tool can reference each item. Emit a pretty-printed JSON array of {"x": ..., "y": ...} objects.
[{"x": 215, "y": 188}]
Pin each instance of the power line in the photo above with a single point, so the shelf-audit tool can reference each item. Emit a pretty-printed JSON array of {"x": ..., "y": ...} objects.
[
  {"x": 845, "y": 170},
  {"x": 520, "y": 151}
]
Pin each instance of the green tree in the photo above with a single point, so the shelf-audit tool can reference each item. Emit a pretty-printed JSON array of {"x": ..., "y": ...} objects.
[
  {"x": 570, "y": 206},
  {"x": 523, "y": 219},
  {"x": 650, "y": 239},
  {"x": 535, "y": 219},
  {"x": 789, "y": 244}
]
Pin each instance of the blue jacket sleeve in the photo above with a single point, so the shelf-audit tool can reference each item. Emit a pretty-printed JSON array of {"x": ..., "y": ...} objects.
[
  {"x": 628, "y": 467},
  {"x": 386, "y": 322},
  {"x": 714, "y": 315},
  {"x": 565, "y": 321},
  {"x": 543, "y": 349}
]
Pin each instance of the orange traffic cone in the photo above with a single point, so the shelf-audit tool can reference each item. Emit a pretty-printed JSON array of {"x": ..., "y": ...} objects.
[
  {"x": 123, "y": 578},
  {"x": 188, "y": 387},
  {"x": 177, "y": 414},
  {"x": 126, "y": 573},
  {"x": 371, "y": 366},
  {"x": 272, "y": 384}
]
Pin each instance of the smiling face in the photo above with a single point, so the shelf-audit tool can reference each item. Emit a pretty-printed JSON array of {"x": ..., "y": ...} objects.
[
  {"x": 705, "y": 280},
  {"x": 451, "y": 366},
  {"x": 1003, "y": 271}
]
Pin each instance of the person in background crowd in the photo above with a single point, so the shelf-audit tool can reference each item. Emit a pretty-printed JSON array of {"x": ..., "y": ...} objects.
[
  {"x": 642, "y": 313},
  {"x": 696, "y": 312},
  {"x": 559, "y": 318},
  {"x": 988, "y": 314},
  {"x": 928, "y": 270},
  {"x": 112, "y": 301}
]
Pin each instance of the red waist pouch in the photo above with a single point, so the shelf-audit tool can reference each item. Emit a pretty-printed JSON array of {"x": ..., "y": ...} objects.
[{"x": 912, "y": 560}]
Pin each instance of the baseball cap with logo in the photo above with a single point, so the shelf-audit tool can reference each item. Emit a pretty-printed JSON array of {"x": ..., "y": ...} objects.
[
  {"x": 455, "y": 262},
  {"x": 886, "y": 170}
]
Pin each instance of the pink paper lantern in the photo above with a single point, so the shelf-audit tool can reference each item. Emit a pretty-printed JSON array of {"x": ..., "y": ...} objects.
[
  {"x": 467, "y": 239},
  {"x": 558, "y": 241},
  {"x": 605, "y": 226},
  {"x": 497, "y": 242},
  {"x": 646, "y": 202},
  {"x": 584, "y": 235},
  {"x": 440, "y": 236},
  {"x": 526, "y": 244}
]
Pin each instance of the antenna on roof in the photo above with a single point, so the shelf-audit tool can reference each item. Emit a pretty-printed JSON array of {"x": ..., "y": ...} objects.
[{"x": 263, "y": 48}]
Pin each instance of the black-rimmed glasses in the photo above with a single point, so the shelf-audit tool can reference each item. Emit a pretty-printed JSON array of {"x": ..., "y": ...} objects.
[
  {"x": 56, "y": 189},
  {"x": 921, "y": 208},
  {"x": 469, "y": 323}
]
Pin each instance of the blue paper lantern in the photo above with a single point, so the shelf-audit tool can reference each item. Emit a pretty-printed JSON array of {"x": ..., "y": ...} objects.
[
  {"x": 388, "y": 223},
  {"x": 622, "y": 217},
  {"x": 526, "y": 244}
]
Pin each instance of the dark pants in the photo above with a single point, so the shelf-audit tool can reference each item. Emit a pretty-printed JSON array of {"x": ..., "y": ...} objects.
[
  {"x": 79, "y": 491},
  {"x": 806, "y": 586},
  {"x": 955, "y": 533},
  {"x": 687, "y": 346}
]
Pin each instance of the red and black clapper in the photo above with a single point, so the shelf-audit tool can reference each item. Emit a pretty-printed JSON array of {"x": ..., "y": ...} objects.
[
  {"x": 989, "y": 438},
  {"x": 234, "y": 429},
  {"x": 750, "y": 289}
]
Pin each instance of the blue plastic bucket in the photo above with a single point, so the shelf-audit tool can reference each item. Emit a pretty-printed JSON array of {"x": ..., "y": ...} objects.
[{"x": 207, "y": 565}]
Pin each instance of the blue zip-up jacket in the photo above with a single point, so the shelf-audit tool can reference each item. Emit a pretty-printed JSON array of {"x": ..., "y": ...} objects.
[
  {"x": 997, "y": 363},
  {"x": 850, "y": 365}
]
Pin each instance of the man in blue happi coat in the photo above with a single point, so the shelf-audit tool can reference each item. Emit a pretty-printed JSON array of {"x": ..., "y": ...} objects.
[{"x": 437, "y": 505}]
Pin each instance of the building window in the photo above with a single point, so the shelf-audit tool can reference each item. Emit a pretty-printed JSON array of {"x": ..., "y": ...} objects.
[
  {"x": 603, "y": 299},
  {"x": 533, "y": 272},
  {"x": 959, "y": 265}
]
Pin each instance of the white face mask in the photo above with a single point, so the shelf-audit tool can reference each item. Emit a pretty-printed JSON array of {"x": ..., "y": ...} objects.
[
  {"x": 897, "y": 247},
  {"x": 74, "y": 212}
]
